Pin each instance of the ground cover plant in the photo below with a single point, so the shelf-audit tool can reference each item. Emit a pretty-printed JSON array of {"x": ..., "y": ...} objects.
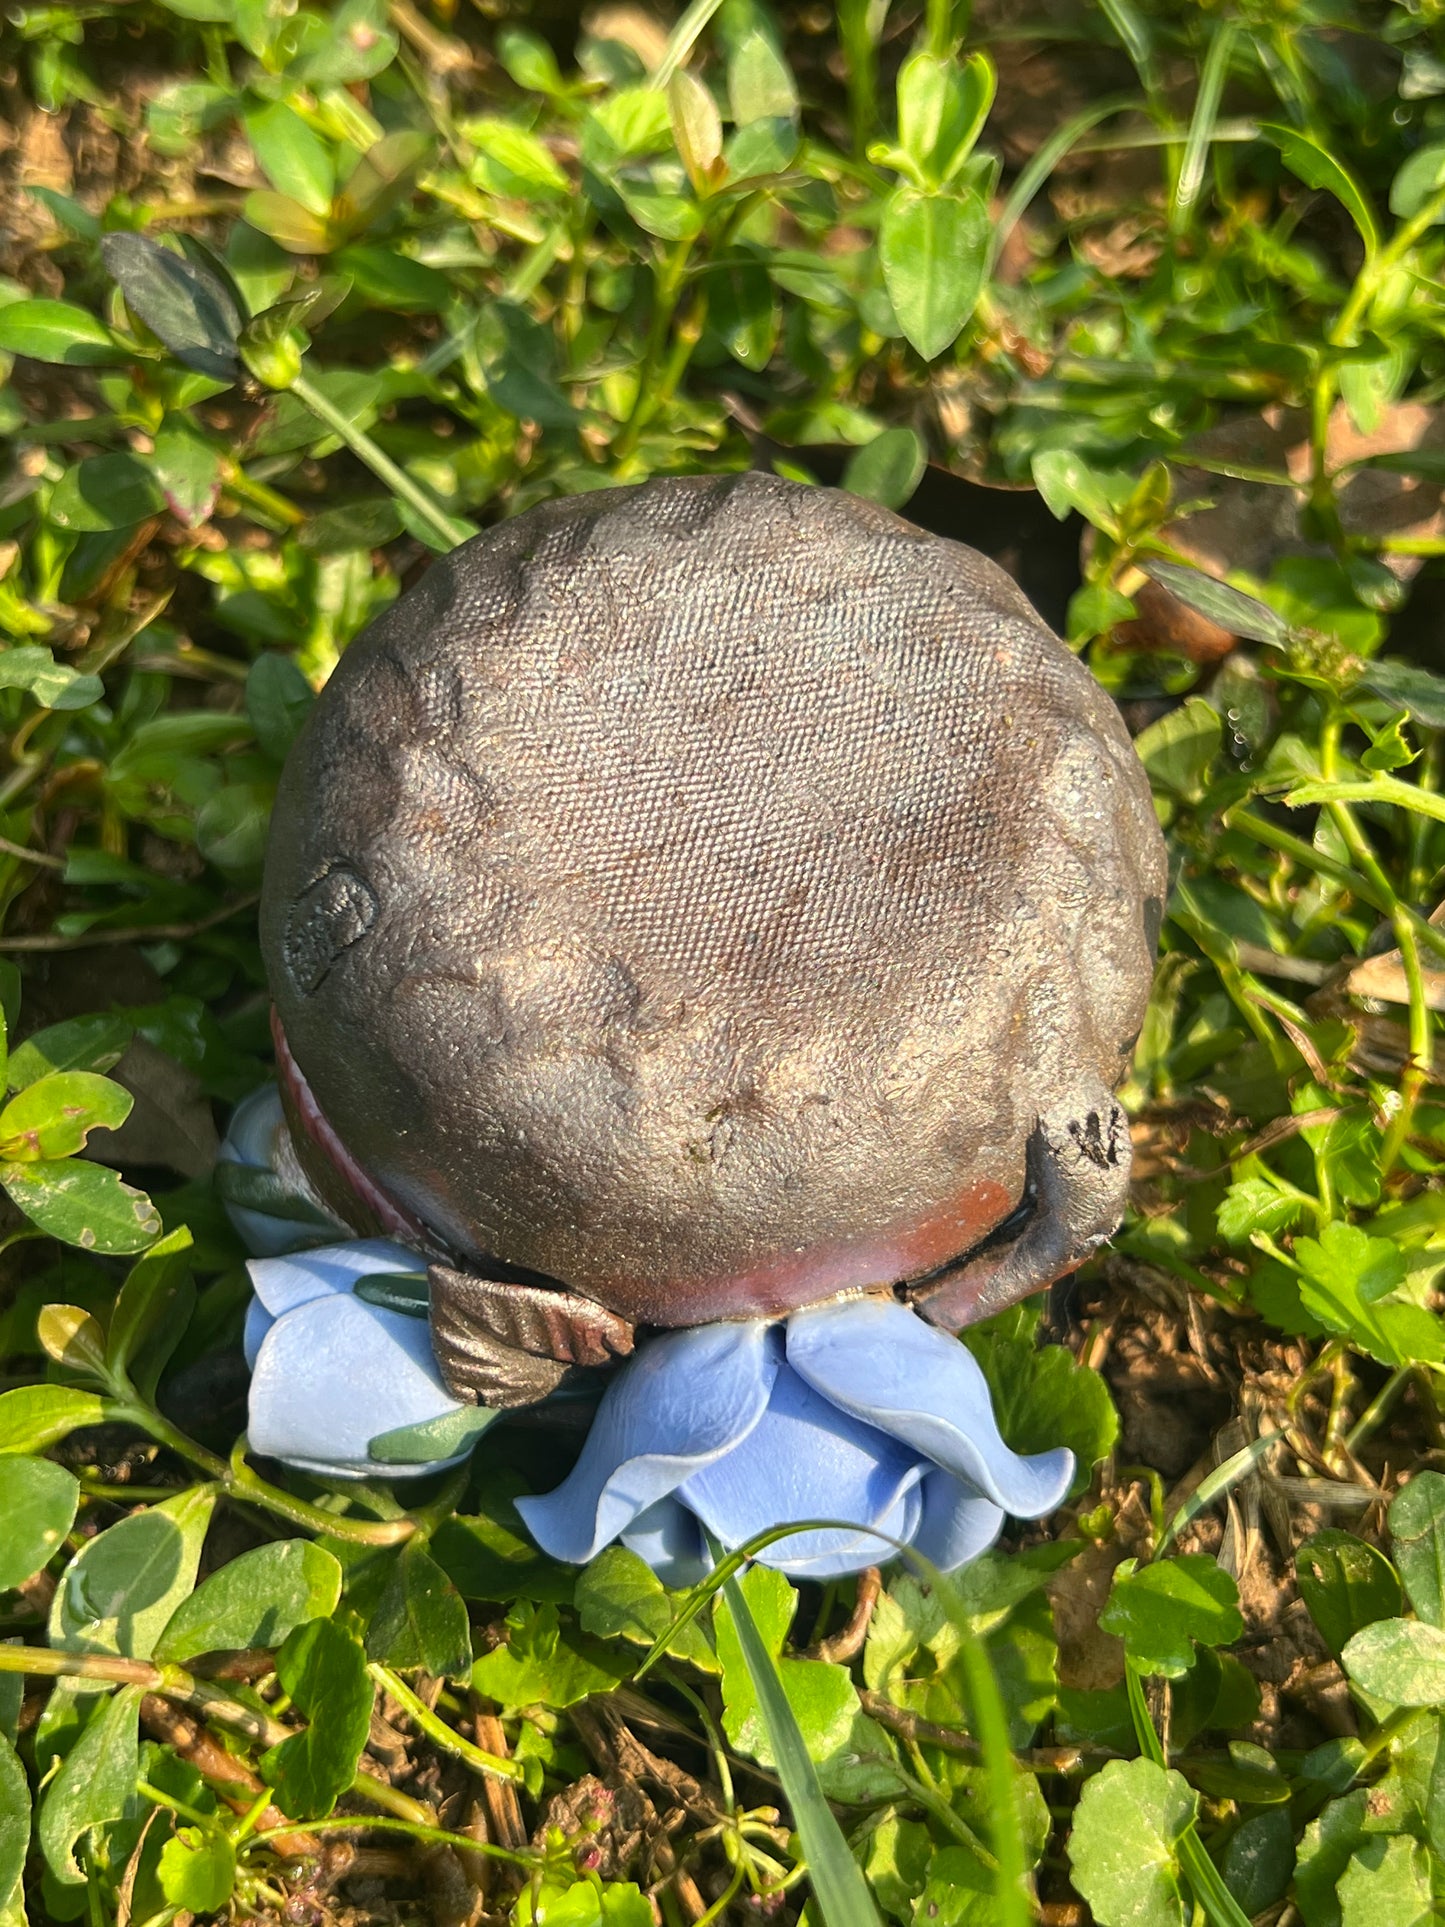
[{"x": 294, "y": 297}]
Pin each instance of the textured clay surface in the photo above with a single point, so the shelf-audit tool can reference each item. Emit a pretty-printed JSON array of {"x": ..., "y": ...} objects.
[{"x": 716, "y": 895}]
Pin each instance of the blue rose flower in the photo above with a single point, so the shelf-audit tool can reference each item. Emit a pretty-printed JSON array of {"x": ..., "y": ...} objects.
[
  {"x": 331, "y": 1371},
  {"x": 855, "y": 1410}
]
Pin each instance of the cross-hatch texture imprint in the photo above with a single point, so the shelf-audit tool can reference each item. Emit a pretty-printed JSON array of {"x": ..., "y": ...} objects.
[{"x": 687, "y": 879}]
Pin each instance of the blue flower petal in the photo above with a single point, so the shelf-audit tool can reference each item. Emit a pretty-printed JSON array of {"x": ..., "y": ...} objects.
[
  {"x": 805, "y": 1459},
  {"x": 832, "y": 1555},
  {"x": 668, "y": 1537},
  {"x": 258, "y": 1322},
  {"x": 880, "y": 1361},
  {"x": 251, "y": 1139},
  {"x": 334, "y": 1373},
  {"x": 682, "y": 1401},
  {"x": 283, "y": 1284},
  {"x": 958, "y": 1523}
]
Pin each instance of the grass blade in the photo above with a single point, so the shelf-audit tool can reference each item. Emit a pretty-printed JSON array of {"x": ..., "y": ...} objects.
[{"x": 838, "y": 1883}]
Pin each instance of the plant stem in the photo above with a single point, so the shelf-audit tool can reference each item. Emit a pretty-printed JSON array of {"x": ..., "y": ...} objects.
[
  {"x": 437, "y": 1730},
  {"x": 439, "y": 1836},
  {"x": 450, "y": 530}
]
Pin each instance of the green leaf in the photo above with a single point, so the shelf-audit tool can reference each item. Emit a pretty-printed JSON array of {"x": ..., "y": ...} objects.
[
  {"x": 1399, "y": 1660},
  {"x": 33, "y": 1417},
  {"x": 1254, "y": 1204},
  {"x": 188, "y": 469},
  {"x": 322, "y": 1666},
  {"x": 391, "y": 280},
  {"x": 1344, "y": 1274},
  {"x": 1317, "y": 167},
  {"x": 488, "y": 1555},
  {"x": 1043, "y": 1398},
  {"x": 294, "y": 158},
  {"x": 420, "y": 1620},
  {"x": 356, "y": 43},
  {"x": 942, "y": 106},
  {"x": 197, "y": 1869},
  {"x": 838, "y": 1885},
  {"x": 93, "y": 1786},
  {"x": 696, "y": 127},
  {"x": 1243, "y": 615},
  {"x": 83, "y": 1204},
  {"x": 255, "y": 1600},
  {"x": 1421, "y": 176},
  {"x": 1417, "y": 1529},
  {"x": 888, "y": 469},
  {"x": 94, "y": 1043},
  {"x": 1259, "y": 1860},
  {"x": 1180, "y": 749},
  {"x": 73, "y": 1337},
  {"x": 154, "y": 1290},
  {"x": 53, "y": 1117},
  {"x": 1160, "y": 1610},
  {"x": 743, "y": 308},
  {"x": 1414, "y": 688},
  {"x": 118, "y": 1593},
  {"x": 278, "y": 701},
  {"x": 1067, "y": 481},
  {"x": 543, "y": 1665},
  {"x": 1387, "y": 1884},
  {"x": 292, "y": 226},
  {"x": 1124, "y": 1848},
  {"x": 934, "y": 249},
  {"x": 54, "y": 685},
  {"x": 185, "y": 305},
  {"x": 581, "y": 1903},
  {"x": 1347, "y": 1584},
  {"x": 821, "y": 1695},
  {"x": 57, "y": 331},
  {"x": 14, "y": 1830},
  {"x": 760, "y": 82},
  {"x": 38, "y": 1503},
  {"x": 619, "y": 1596},
  {"x": 231, "y": 827},
  {"x": 105, "y": 492}
]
